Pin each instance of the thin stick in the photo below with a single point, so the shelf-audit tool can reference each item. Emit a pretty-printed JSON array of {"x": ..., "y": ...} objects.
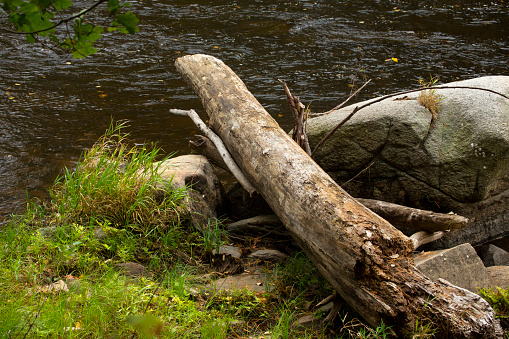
[
  {"x": 232, "y": 166},
  {"x": 346, "y": 101},
  {"x": 424, "y": 237}
]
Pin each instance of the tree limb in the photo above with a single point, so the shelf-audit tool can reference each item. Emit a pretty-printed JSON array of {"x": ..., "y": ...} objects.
[{"x": 232, "y": 166}]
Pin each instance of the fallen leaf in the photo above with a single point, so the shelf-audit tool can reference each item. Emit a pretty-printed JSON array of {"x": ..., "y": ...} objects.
[{"x": 103, "y": 95}]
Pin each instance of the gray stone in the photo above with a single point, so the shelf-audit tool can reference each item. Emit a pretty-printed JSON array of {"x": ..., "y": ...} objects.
[
  {"x": 492, "y": 255},
  {"x": 268, "y": 255},
  {"x": 461, "y": 266},
  {"x": 459, "y": 163},
  {"x": 204, "y": 199},
  {"x": 308, "y": 321},
  {"x": 256, "y": 281},
  {"x": 463, "y": 156},
  {"x": 233, "y": 251},
  {"x": 499, "y": 276},
  {"x": 132, "y": 269}
]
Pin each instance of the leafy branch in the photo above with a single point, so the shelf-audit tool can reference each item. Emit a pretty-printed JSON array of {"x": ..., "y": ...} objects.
[{"x": 35, "y": 19}]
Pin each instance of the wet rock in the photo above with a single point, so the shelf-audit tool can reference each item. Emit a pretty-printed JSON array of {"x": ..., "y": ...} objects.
[
  {"x": 492, "y": 255},
  {"x": 461, "y": 266},
  {"x": 132, "y": 269},
  {"x": 204, "y": 199},
  {"x": 268, "y": 255}
]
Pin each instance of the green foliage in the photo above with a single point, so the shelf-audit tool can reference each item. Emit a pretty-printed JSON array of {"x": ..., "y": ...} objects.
[
  {"x": 118, "y": 185},
  {"x": 53, "y": 20},
  {"x": 499, "y": 300}
]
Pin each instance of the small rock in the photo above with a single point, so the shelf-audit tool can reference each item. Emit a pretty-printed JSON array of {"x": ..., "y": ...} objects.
[
  {"x": 58, "y": 286},
  {"x": 499, "y": 276},
  {"x": 131, "y": 269},
  {"x": 255, "y": 282},
  {"x": 459, "y": 265},
  {"x": 234, "y": 251},
  {"x": 492, "y": 255},
  {"x": 308, "y": 321},
  {"x": 268, "y": 255}
]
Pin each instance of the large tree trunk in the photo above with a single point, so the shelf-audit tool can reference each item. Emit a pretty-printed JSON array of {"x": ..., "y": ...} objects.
[{"x": 366, "y": 260}]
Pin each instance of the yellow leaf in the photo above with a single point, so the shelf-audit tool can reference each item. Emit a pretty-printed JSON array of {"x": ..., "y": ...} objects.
[
  {"x": 103, "y": 95},
  {"x": 394, "y": 59},
  {"x": 216, "y": 47},
  {"x": 11, "y": 98}
]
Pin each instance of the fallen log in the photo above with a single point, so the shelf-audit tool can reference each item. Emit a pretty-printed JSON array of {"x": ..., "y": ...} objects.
[
  {"x": 398, "y": 215},
  {"x": 414, "y": 218},
  {"x": 365, "y": 259}
]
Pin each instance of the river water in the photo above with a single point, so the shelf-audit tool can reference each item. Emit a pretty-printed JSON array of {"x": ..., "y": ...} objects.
[{"x": 52, "y": 107}]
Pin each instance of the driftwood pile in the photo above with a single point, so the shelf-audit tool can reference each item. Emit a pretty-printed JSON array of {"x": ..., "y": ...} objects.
[{"x": 365, "y": 259}]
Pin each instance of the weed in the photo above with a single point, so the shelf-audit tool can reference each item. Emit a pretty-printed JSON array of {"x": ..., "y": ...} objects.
[
  {"x": 499, "y": 300},
  {"x": 430, "y": 99},
  {"x": 117, "y": 183}
]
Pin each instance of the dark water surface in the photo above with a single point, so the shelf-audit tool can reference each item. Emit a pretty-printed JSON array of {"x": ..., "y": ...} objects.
[{"x": 52, "y": 107}]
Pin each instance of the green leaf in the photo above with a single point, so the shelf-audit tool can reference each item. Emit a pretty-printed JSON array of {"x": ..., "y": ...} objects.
[
  {"x": 129, "y": 21},
  {"x": 61, "y": 4}
]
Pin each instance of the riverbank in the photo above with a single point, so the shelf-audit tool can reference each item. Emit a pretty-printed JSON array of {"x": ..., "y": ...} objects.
[{"x": 107, "y": 259}]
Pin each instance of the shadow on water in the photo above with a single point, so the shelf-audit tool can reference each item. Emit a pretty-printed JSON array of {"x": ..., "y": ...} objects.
[{"x": 52, "y": 107}]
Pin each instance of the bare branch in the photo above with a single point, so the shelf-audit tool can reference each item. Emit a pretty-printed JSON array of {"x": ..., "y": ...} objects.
[{"x": 232, "y": 166}]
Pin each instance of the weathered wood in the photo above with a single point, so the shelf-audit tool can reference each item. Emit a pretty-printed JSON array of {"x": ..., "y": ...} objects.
[
  {"x": 364, "y": 258},
  {"x": 424, "y": 237},
  {"x": 223, "y": 152},
  {"x": 203, "y": 146},
  {"x": 414, "y": 218}
]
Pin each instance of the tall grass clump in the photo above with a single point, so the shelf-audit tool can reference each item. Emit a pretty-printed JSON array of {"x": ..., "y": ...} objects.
[{"x": 117, "y": 183}]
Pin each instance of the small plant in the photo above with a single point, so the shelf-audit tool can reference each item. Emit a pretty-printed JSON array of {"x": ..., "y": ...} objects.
[
  {"x": 430, "y": 99},
  {"x": 499, "y": 300},
  {"x": 213, "y": 235},
  {"x": 118, "y": 183}
]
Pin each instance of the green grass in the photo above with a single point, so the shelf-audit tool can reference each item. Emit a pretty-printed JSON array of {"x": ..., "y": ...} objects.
[{"x": 112, "y": 209}]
